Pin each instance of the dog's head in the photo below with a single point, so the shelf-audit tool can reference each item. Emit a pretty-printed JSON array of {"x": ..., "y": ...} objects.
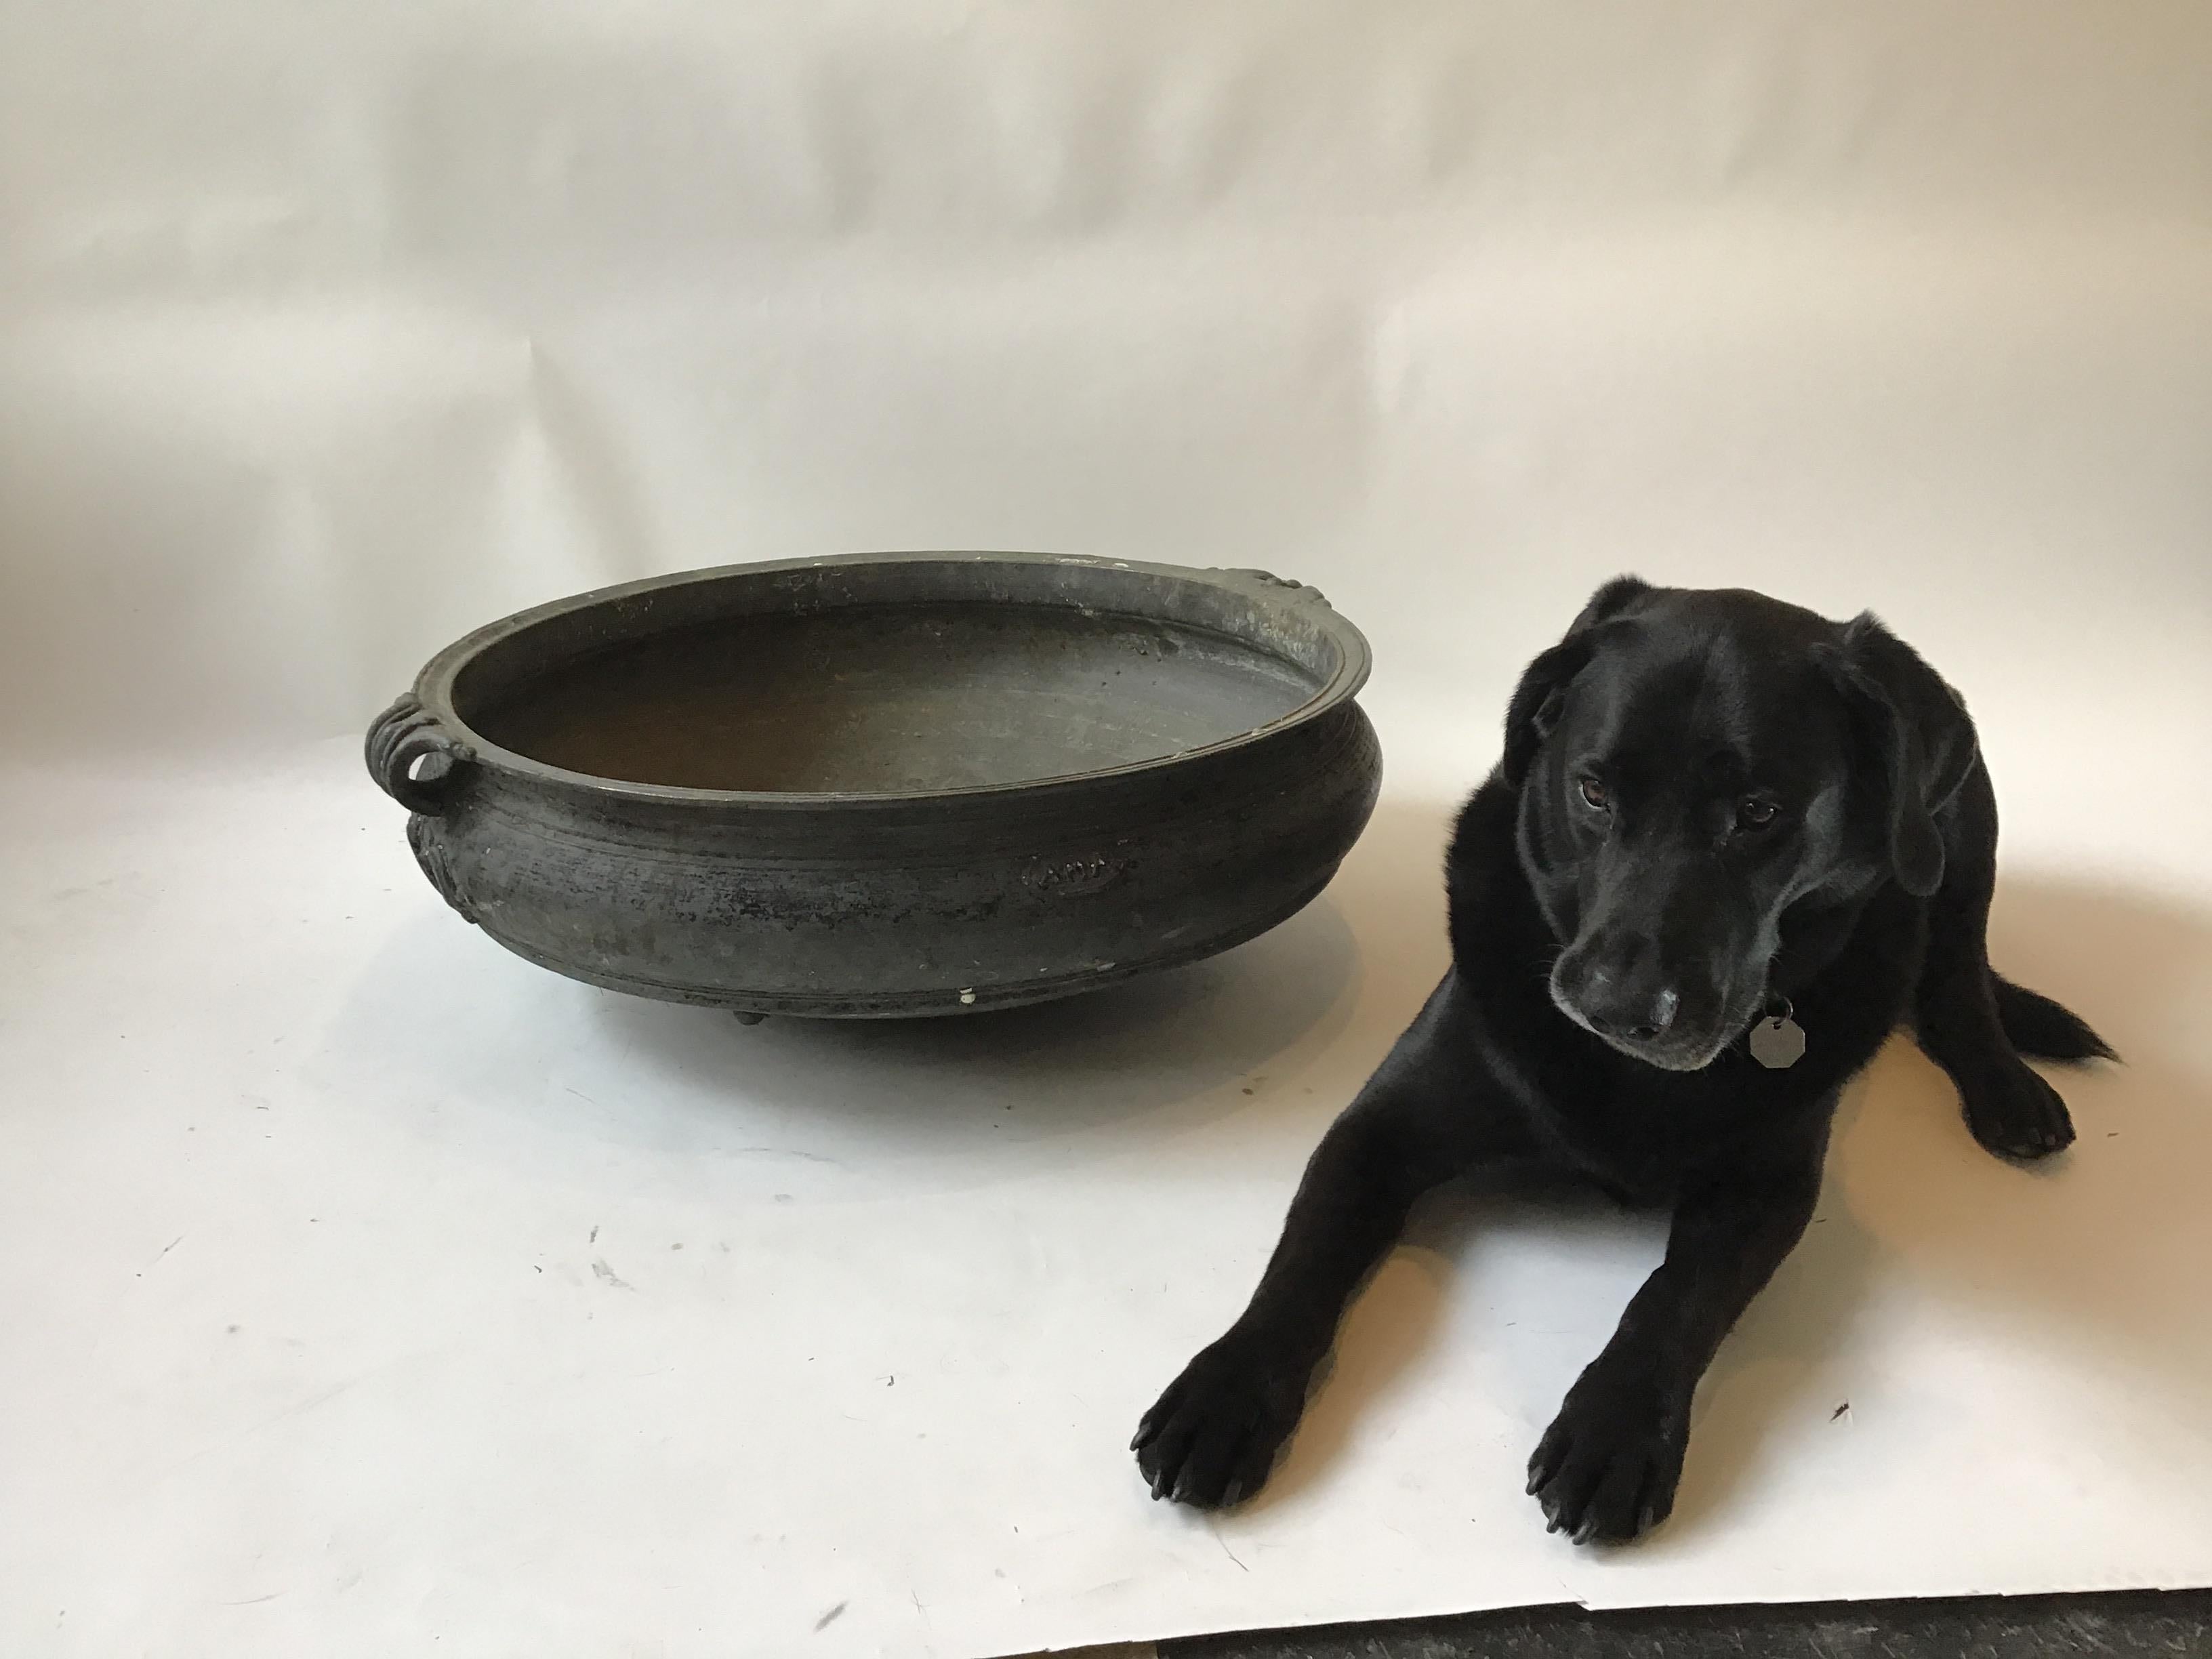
[{"x": 1700, "y": 770}]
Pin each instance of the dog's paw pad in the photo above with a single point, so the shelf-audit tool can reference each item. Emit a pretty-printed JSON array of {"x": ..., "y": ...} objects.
[
  {"x": 1606, "y": 1469},
  {"x": 2017, "y": 1114},
  {"x": 1212, "y": 1439}
]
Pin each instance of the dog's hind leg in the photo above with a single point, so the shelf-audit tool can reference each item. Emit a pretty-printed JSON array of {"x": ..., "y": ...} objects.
[
  {"x": 2043, "y": 1029},
  {"x": 1958, "y": 1009}
]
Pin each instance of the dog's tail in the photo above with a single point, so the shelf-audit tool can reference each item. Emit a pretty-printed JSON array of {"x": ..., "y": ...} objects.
[{"x": 2044, "y": 1029}]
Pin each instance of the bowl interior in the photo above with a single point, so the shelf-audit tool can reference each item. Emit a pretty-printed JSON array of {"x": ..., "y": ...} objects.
[{"x": 775, "y": 690}]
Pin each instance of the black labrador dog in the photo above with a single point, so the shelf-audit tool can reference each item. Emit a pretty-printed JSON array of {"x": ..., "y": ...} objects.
[{"x": 1730, "y": 846}]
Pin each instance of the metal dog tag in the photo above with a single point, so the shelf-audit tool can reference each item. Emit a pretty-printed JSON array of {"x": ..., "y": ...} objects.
[{"x": 1777, "y": 1043}]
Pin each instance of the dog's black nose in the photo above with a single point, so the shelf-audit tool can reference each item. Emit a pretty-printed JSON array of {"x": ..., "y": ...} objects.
[{"x": 1631, "y": 1010}]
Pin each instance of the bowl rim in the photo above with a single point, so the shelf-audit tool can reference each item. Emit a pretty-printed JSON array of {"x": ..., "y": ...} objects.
[{"x": 434, "y": 685}]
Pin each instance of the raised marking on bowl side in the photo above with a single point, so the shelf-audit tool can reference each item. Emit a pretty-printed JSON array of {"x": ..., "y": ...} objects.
[{"x": 1074, "y": 877}]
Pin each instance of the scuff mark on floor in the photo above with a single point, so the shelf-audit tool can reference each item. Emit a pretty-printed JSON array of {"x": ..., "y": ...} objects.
[
  {"x": 609, "y": 1275},
  {"x": 157, "y": 1262}
]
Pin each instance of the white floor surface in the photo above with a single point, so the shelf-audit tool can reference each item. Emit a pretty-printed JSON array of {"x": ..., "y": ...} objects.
[{"x": 376, "y": 1292}]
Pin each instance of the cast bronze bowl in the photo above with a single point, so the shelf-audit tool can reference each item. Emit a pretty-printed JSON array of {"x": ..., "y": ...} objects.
[{"x": 891, "y": 784}]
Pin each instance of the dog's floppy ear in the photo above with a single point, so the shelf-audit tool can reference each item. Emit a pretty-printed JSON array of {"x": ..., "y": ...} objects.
[
  {"x": 1918, "y": 729},
  {"x": 1535, "y": 709}
]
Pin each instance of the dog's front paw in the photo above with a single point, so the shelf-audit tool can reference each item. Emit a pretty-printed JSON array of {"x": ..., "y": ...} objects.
[
  {"x": 1607, "y": 1467},
  {"x": 2016, "y": 1114},
  {"x": 1211, "y": 1438}
]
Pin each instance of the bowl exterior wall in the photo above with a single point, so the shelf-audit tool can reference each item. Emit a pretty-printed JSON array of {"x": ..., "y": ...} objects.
[{"x": 943, "y": 905}]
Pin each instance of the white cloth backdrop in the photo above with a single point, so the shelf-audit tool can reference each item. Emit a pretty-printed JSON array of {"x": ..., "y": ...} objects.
[{"x": 372, "y": 1292}]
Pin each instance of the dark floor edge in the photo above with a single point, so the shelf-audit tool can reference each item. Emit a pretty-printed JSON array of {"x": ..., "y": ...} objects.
[{"x": 2130, "y": 1624}]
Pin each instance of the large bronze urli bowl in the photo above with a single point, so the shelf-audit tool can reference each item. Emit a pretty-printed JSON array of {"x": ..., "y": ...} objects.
[{"x": 895, "y": 784}]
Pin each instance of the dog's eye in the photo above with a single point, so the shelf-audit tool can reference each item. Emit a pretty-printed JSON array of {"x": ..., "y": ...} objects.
[
  {"x": 1752, "y": 813},
  {"x": 1595, "y": 794}
]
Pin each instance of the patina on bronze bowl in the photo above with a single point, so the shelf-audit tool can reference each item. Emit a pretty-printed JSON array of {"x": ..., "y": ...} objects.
[{"x": 895, "y": 784}]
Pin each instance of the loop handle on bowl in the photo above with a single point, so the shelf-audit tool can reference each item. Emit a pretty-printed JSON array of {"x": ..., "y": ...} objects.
[
  {"x": 1271, "y": 580},
  {"x": 405, "y": 736}
]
